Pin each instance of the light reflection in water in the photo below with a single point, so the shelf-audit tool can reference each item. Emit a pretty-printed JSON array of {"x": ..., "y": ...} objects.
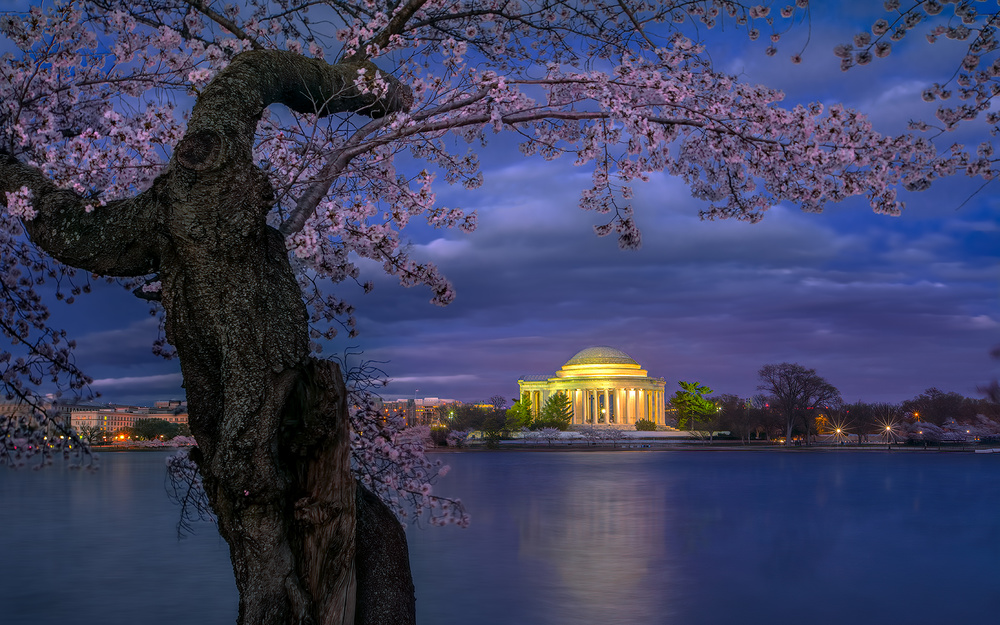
[
  {"x": 602, "y": 538},
  {"x": 702, "y": 538}
]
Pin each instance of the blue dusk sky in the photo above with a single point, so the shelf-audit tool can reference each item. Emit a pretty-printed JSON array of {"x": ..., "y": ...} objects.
[{"x": 882, "y": 307}]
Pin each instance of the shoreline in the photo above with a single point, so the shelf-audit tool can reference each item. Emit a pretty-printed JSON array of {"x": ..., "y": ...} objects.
[
  {"x": 117, "y": 448},
  {"x": 718, "y": 447},
  {"x": 672, "y": 446}
]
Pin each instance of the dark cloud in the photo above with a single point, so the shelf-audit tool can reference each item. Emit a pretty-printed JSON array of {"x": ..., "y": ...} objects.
[
  {"x": 169, "y": 382},
  {"x": 118, "y": 346}
]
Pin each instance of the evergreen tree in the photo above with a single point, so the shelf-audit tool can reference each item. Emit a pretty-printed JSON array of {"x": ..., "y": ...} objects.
[
  {"x": 691, "y": 404},
  {"x": 519, "y": 415},
  {"x": 556, "y": 413}
]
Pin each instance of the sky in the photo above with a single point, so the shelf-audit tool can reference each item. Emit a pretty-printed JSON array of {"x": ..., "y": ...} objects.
[{"x": 882, "y": 307}]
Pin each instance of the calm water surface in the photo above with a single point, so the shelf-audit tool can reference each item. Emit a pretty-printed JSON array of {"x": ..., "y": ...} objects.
[{"x": 683, "y": 537}]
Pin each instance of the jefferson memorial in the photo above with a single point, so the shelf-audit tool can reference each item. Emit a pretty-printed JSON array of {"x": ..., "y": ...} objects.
[{"x": 604, "y": 385}]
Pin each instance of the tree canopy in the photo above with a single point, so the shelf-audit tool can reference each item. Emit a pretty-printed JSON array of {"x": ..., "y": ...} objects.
[
  {"x": 519, "y": 414},
  {"x": 149, "y": 429},
  {"x": 692, "y": 404},
  {"x": 797, "y": 394}
]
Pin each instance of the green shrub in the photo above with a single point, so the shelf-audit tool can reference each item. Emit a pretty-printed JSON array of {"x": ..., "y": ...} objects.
[{"x": 645, "y": 425}]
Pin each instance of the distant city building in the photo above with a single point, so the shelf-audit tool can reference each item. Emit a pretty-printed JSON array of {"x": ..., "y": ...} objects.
[
  {"x": 604, "y": 385},
  {"x": 418, "y": 411},
  {"x": 17, "y": 410},
  {"x": 109, "y": 418},
  {"x": 112, "y": 418}
]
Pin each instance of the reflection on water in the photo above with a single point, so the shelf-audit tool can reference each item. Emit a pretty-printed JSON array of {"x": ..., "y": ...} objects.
[
  {"x": 603, "y": 537},
  {"x": 622, "y": 538},
  {"x": 692, "y": 538}
]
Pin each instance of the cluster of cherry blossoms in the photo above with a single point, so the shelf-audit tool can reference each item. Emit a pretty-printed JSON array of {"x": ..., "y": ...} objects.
[
  {"x": 975, "y": 82},
  {"x": 387, "y": 455},
  {"x": 388, "y": 458}
]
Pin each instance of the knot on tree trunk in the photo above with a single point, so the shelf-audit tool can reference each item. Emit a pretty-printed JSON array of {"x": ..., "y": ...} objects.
[{"x": 202, "y": 150}]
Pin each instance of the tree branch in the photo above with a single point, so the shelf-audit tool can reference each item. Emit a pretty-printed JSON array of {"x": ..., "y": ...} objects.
[
  {"x": 112, "y": 240},
  {"x": 223, "y": 21},
  {"x": 396, "y": 26},
  {"x": 231, "y": 105}
]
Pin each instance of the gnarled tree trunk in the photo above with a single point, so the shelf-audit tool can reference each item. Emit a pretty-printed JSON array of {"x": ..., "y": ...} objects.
[{"x": 307, "y": 544}]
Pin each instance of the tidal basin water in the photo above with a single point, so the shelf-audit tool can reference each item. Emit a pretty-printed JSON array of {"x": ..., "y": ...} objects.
[{"x": 663, "y": 537}]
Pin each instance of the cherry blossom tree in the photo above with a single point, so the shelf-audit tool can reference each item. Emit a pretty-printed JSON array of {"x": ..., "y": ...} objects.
[
  {"x": 550, "y": 434},
  {"x": 140, "y": 145}
]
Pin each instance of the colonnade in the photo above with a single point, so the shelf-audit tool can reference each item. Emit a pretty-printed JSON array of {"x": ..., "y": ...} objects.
[{"x": 608, "y": 405}]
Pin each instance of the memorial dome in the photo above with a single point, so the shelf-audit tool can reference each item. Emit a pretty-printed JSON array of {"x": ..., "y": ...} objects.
[{"x": 601, "y": 355}]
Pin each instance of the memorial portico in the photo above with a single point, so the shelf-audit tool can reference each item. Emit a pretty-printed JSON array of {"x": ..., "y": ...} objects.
[{"x": 605, "y": 386}]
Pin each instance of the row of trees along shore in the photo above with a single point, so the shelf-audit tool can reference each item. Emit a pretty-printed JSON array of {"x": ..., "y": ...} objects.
[
  {"x": 795, "y": 406},
  {"x": 496, "y": 421},
  {"x": 234, "y": 218},
  {"x": 142, "y": 430}
]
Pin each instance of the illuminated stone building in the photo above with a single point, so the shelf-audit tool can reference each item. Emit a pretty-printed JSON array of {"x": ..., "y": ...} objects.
[
  {"x": 116, "y": 417},
  {"x": 605, "y": 387},
  {"x": 425, "y": 411}
]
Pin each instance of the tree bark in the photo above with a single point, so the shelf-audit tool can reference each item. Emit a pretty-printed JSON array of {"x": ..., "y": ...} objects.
[{"x": 307, "y": 544}]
